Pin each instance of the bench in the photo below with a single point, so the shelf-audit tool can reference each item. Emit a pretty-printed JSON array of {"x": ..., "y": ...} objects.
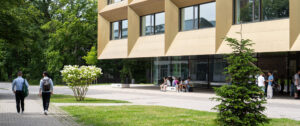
[
  {"x": 120, "y": 85},
  {"x": 171, "y": 88}
]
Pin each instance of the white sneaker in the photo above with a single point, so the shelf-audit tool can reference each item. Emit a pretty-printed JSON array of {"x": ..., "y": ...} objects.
[{"x": 46, "y": 112}]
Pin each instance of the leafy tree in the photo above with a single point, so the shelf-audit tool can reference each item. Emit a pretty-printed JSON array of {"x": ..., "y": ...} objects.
[
  {"x": 21, "y": 39},
  {"x": 91, "y": 58},
  {"x": 242, "y": 102},
  {"x": 73, "y": 29}
]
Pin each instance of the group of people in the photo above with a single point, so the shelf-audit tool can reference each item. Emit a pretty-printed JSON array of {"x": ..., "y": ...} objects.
[
  {"x": 177, "y": 82},
  {"x": 45, "y": 91},
  {"x": 266, "y": 84}
]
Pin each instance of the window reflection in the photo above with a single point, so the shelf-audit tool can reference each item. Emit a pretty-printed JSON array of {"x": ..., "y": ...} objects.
[
  {"x": 124, "y": 29},
  {"x": 189, "y": 18},
  {"x": 199, "y": 70},
  {"x": 198, "y": 16},
  {"x": 147, "y": 25},
  {"x": 119, "y": 29},
  {"x": 273, "y": 9},
  {"x": 159, "y": 23},
  {"x": 153, "y": 24},
  {"x": 257, "y": 10},
  {"x": 115, "y": 30},
  {"x": 207, "y": 15}
]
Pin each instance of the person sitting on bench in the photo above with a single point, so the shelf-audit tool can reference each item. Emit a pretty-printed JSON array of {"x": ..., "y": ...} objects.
[
  {"x": 186, "y": 85},
  {"x": 164, "y": 85}
]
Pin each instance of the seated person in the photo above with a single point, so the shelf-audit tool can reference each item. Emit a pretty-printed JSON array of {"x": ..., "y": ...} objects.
[
  {"x": 178, "y": 82},
  {"x": 186, "y": 85},
  {"x": 163, "y": 86}
]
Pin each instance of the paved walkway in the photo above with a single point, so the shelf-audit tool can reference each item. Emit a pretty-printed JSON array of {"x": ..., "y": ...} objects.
[
  {"x": 276, "y": 108},
  {"x": 33, "y": 115}
]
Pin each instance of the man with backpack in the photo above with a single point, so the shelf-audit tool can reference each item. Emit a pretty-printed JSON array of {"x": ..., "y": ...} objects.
[
  {"x": 46, "y": 90},
  {"x": 19, "y": 87}
]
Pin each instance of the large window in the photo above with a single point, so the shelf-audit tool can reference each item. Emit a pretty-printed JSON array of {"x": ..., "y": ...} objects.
[
  {"x": 119, "y": 29},
  {"x": 113, "y": 1},
  {"x": 153, "y": 24},
  {"x": 258, "y": 10},
  {"x": 198, "y": 16}
]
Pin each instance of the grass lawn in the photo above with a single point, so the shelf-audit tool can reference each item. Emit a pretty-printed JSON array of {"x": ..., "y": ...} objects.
[
  {"x": 150, "y": 116},
  {"x": 57, "y": 98}
]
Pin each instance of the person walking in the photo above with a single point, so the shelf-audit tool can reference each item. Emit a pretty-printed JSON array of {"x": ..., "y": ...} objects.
[
  {"x": 297, "y": 84},
  {"x": 261, "y": 82},
  {"x": 270, "y": 82},
  {"x": 17, "y": 88},
  {"x": 46, "y": 90}
]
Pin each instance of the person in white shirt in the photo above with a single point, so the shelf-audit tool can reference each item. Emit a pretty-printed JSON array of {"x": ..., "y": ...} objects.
[{"x": 261, "y": 82}]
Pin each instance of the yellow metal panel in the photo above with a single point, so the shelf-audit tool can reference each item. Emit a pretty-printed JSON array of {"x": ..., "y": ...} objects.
[
  {"x": 129, "y": 1},
  {"x": 103, "y": 33},
  {"x": 101, "y": 4},
  {"x": 114, "y": 50},
  {"x": 184, "y": 3},
  {"x": 133, "y": 28},
  {"x": 195, "y": 42},
  {"x": 171, "y": 23},
  {"x": 295, "y": 25},
  {"x": 224, "y": 20},
  {"x": 148, "y": 46},
  {"x": 115, "y": 12},
  {"x": 268, "y": 36},
  {"x": 145, "y": 7}
]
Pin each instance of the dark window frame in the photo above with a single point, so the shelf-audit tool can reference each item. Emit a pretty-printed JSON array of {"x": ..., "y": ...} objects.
[
  {"x": 120, "y": 24},
  {"x": 152, "y": 32},
  {"x": 196, "y": 5}
]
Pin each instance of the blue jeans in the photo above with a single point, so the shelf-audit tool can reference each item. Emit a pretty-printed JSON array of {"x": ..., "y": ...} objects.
[{"x": 292, "y": 90}]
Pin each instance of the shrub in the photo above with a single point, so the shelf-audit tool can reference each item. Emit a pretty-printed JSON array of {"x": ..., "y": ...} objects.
[
  {"x": 242, "y": 102},
  {"x": 79, "y": 78}
]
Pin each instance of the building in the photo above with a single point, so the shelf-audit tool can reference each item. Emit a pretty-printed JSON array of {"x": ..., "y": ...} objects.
[{"x": 186, "y": 37}]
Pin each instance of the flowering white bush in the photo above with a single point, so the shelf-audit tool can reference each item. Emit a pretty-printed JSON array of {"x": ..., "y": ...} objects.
[{"x": 79, "y": 78}]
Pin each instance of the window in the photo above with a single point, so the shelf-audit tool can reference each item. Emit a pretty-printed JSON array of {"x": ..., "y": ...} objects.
[
  {"x": 198, "y": 16},
  {"x": 153, "y": 24},
  {"x": 258, "y": 10},
  {"x": 159, "y": 23},
  {"x": 115, "y": 34},
  {"x": 273, "y": 9},
  {"x": 125, "y": 29},
  {"x": 147, "y": 25},
  {"x": 119, "y": 29},
  {"x": 189, "y": 18},
  {"x": 113, "y": 1},
  {"x": 208, "y": 15}
]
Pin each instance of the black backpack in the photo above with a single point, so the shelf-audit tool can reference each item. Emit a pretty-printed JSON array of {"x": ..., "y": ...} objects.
[{"x": 46, "y": 84}]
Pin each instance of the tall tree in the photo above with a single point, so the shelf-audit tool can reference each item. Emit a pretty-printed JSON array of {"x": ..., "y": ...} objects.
[
  {"x": 73, "y": 30},
  {"x": 241, "y": 103}
]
